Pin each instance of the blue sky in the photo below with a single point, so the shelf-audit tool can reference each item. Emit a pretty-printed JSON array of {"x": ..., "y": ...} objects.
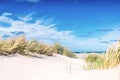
[{"x": 81, "y": 25}]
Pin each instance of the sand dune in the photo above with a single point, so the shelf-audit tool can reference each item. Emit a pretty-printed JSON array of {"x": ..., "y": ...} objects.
[{"x": 56, "y": 67}]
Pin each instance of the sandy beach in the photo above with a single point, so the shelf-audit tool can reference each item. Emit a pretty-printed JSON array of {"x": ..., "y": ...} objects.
[{"x": 56, "y": 67}]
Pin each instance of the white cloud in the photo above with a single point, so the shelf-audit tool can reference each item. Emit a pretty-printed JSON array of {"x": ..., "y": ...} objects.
[
  {"x": 50, "y": 34},
  {"x": 6, "y": 14},
  {"x": 113, "y": 35},
  {"x": 34, "y": 30},
  {"x": 26, "y": 18},
  {"x": 94, "y": 43},
  {"x": 35, "y": 1}
]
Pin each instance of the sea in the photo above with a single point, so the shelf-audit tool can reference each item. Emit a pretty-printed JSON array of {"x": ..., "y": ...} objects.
[{"x": 86, "y": 52}]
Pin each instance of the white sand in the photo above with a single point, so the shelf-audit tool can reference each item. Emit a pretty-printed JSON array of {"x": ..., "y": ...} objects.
[{"x": 50, "y": 68}]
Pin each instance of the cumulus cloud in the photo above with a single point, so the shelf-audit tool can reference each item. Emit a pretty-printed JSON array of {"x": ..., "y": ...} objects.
[
  {"x": 90, "y": 32},
  {"x": 83, "y": 35},
  {"x": 26, "y": 18},
  {"x": 113, "y": 35},
  {"x": 50, "y": 34},
  {"x": 104, "y": 30},
  {"x": 113, "y": 40},
  {"x": 6, "y": 14},
  {"x": 104, "y": 42},
  {"x": 100, "y": 42},
  {"x": 34, "y": 1},
  {"x": 35, "y": 30}
]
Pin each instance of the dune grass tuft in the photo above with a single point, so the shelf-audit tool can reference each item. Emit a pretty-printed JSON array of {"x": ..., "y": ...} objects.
[
  {"x": 22, "y": 46},
  {"x": 59, "y": 49},
  {"x": 105, "y": 61},
  {"x": 12, "y": 46}
]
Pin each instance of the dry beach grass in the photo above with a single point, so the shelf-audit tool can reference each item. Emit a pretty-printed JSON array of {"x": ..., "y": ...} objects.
[
  {"x": 105, "y": 61},
  {"x": 22, "y": 46}
]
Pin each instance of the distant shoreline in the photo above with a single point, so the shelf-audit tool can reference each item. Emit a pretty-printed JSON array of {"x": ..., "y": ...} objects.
[{"x": 86, "y": 52}]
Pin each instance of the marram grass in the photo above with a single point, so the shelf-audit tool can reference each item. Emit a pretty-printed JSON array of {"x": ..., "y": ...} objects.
[
  {"x": 104, "y": 61},
  {"x": 22, "y": 46}
]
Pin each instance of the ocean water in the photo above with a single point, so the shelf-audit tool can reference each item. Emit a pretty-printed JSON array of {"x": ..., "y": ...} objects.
[{"x": 86, "y": 52}]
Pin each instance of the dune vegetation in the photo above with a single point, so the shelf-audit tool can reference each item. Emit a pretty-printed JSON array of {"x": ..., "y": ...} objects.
[
  {"x": 107, "y": 60},
  {"x": 21, "y": 45}
]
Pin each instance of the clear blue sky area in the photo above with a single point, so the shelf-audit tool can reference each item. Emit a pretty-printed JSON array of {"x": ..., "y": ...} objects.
[{"x": 81, "y": 25}]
